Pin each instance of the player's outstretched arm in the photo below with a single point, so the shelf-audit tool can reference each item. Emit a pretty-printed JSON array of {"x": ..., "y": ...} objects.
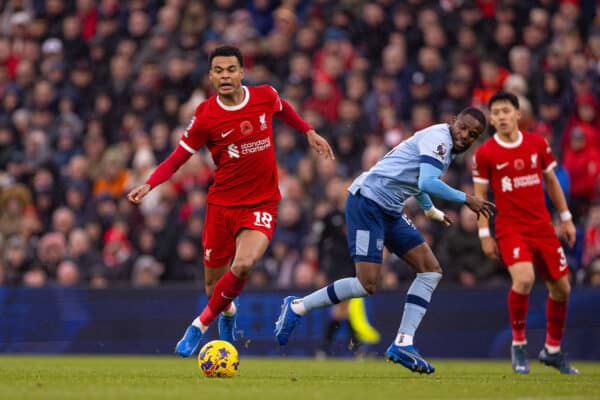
[
  {"x": 566, "y": 229},
  {"x": 482, "y": 207},
  {"x": 488, "y": 244},
  {"x": 316, "y": 142},
  {"x": 163, "y": 172},
  {"x": 319, "y": 144},
  {"x": 137, "y": 194},
  {"x": 431, "y": 211}
]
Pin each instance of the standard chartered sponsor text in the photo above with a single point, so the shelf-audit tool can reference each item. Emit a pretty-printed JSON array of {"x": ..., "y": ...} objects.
[
  {"x": 253, "y": 147},
  {"x": 527, "y": 180}
]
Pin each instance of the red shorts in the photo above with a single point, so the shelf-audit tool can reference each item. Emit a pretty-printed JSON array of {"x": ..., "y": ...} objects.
[
  {"x": 543, "y": 249},
  {"x": 222, "y": 224}
]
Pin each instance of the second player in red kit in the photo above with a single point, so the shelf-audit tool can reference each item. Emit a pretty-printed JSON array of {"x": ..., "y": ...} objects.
[
  {"x": 514, "y": 164},
  {"x": 236, "y": 126}
]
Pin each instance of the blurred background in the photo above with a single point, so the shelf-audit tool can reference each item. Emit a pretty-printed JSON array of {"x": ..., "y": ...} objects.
[{"x": 96, "y": 93}]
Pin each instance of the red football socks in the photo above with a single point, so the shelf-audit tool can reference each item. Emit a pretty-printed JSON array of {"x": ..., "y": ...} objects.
[
  {"x": 517, "y": 311},
  {"x": 556, "y": 316},
  {"x": 227, "y": 288}
]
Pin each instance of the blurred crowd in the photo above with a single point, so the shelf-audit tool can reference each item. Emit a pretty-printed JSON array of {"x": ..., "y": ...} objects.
[{"x": 95, "y": 93}]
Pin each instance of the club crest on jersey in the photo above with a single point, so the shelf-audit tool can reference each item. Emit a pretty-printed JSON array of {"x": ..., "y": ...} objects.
[
  {"x": 440, "y": 151},
  {"x": 534, "y": 161},
  {"x": 262, "y": 119}
]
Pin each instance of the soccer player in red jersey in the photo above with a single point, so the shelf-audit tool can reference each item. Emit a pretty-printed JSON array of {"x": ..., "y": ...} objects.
[
  {"x": 236, "y": 126},
  {"x": 515, "y": 164}
]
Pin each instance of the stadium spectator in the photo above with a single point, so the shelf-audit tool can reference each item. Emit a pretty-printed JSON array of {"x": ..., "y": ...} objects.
[
  {"x": 15, "y": 202},
  {"x": 146, "y": 272},
  {"x": 592, "y": 235},
  {"x": 593, "y": 273},
  {"x": 581, "y": 159},
  {"x": 67, "y": 274},
  {"x": 187, "y": 265},
  {"x": 460, "y": 251}
]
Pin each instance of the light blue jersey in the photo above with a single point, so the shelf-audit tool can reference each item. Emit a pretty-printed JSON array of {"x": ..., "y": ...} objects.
[{"x": 395, "y": 177}]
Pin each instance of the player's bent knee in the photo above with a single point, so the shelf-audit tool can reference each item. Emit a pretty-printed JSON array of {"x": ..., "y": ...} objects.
[
  {"x": 524, "y": 284},
  {"x": 243, "y": 265},
  {"x": 560, "y": 293},
  {"x": 433, "y": 267},
  {"x": 560, "y": 297},
  {"x": 369, "y": 285}
]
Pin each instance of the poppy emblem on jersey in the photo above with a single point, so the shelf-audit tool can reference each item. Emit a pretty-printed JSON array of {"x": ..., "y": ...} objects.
[
  {"x": 519, "y": 164},
  {"x": 440, "y": 151},
  {"x": 246, "y": 127},
  {"x": 262, "y": 119}
]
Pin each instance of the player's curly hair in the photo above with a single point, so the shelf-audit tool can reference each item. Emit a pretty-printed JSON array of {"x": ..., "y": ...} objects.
[
  {"x": 477, "y": 114},
  {"x": 226, "y": 51}
]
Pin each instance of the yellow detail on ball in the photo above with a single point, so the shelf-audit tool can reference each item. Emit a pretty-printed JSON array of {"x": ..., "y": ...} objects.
[{"x": 218, "y": 359}]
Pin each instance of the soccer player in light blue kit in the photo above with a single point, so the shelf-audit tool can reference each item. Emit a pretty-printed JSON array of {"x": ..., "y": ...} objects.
[{"x": 375, "y": 218}]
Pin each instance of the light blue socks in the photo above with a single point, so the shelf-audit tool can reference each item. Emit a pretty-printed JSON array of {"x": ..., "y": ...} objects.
[
  {"x": 340, "y": 290},
  {"x": 417, "y": 301}
]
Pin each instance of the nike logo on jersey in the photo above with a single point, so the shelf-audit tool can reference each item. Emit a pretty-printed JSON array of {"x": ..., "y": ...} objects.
[
  {"x": 226, "y": 297},
  {"x": 500, "y": 166},
  {"x": 225, "y": 134}
]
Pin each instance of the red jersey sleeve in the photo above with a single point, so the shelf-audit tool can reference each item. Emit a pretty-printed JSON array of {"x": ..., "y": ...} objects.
[
  {"x": 286, "y": 114},
  {"x": 194, "y": 136},
  {"x": 277, "y": 106},
  {"x": 481, "y": 171},
  {"x": 547, "y": 162}
]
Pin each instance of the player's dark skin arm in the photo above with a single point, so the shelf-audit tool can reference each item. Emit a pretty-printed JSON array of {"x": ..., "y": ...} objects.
[{"x": 480, "y": 206}]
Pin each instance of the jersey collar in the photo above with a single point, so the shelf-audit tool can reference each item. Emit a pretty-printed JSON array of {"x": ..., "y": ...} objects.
[
  {"x": 237, "y": 106},
  {"x": 509, "y": 145}
]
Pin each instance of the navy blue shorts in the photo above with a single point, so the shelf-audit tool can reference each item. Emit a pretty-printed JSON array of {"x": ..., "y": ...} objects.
[{"x": 370, "y": 228}]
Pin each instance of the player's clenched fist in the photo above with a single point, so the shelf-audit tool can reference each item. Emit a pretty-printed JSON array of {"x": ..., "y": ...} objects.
[
  {"x": 136, "y": 195},
  {"x": 479, "y": 206}
]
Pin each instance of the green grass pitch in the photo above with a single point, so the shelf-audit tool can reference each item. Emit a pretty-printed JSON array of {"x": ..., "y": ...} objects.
[{"x": 121, "y": 377}]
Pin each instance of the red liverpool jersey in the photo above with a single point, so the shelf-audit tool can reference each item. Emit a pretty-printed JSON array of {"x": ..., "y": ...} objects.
[
  {"x": 240, "y": 139},
  {"x": 514, "y": 171}
]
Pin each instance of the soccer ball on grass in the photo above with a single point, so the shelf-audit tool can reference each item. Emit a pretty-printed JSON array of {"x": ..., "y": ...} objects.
[{"x": 218, "y": 359}]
